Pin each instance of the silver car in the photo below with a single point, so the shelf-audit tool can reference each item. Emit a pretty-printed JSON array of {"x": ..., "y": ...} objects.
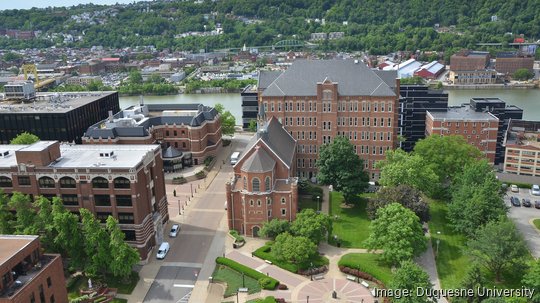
[{"x": 174, "y": 230}]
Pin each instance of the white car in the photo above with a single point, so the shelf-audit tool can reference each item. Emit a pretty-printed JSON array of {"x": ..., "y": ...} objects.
[
  {"x": 535, "y": 191},
  {"x": 174, "y": 230},
  {"x": 163, "y": 250},
  {"x": 514, "y": 188}
]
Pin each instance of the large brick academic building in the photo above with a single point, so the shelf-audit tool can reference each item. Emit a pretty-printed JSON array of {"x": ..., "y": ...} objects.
[{"x": 320, "y": 99}]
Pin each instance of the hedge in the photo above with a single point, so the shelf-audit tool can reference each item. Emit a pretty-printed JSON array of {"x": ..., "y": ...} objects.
[
  {"x": 271, "y": 284},
  {"x": 520, "y": 185}
]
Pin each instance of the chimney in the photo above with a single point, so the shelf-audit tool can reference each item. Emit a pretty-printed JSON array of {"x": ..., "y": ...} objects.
[{"x": 398, "y": 83}]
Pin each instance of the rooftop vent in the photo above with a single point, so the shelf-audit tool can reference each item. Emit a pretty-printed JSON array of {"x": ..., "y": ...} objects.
[
  {"x": 107, "y": 154},
  {"x": 4, "y": 153}
]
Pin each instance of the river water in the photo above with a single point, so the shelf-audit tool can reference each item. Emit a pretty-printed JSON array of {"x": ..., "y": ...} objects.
[{"x": 527, "y": 99}]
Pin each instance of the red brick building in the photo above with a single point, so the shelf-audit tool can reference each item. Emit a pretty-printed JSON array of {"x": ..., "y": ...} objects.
[
  {"x": 124, "y": 181},
  {"x": 190, "y": 132},
  {"x": 264, "y": 186},
  {"x": 478, "y": 128},
  {"x": 317, "y": 100},
  {"x": 467, "y": 60},
  {"x": 27, "y": 274},
  {"x": 509, "y": 62}
]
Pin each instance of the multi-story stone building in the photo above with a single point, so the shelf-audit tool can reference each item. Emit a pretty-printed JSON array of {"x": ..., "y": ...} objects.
[
  {"x": 29, "y": 275},
  {"x": 264, "y": 186},
  {"x": 59, "y": 116},
  {"x": 192, "y": 131},
  {"x": 124, "y": 181},
  {"x": 509, "y": 62},
  {"x": 478, "y": 128},
  {"x": 485, "y": 76},
  {"x": 471, "y": 67},
  {"x": 318, "y": 100},
  {"x": 522, "y": 142}
]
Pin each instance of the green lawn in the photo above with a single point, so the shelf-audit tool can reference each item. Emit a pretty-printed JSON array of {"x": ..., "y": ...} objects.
[
  {"x": 352, "y": 225},
  {"x": 265, "y": 253},
  {"x": 123, "y": 288},
  {"x": 536, "y": 223},
  {"x": 368, "y": 263},
  {"x": 452, "y": 260},
  {"x": 234, "y": 280}
]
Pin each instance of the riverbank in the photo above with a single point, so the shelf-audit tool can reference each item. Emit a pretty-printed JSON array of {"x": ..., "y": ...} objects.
[{"x": 491, "y": 86}]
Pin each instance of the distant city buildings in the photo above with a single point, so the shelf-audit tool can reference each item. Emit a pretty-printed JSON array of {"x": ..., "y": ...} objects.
[
  {"x": 522, "y": 142},
  {"x": 191, "y": 132},
  {"x": 56, "y": 116},
  {"x": 508, "y": 63},
  {"x": 264, "y": 186},
  {"x": 123, "y": 181},
  {"x": 29, "y": 275},
  {"x": 20, "y": 90},
  {"x": 471, "y": 67}
]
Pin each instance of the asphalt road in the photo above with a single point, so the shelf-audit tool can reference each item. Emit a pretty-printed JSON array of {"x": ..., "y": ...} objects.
[
  {"x": 521, "y": 217},
  {"x": 181, "y": 267}
]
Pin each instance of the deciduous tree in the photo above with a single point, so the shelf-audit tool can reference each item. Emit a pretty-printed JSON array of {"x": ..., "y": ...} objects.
[
  {"x": 6, "y": 217},
  {"x": 405, "y": 195},
  {"x": 497, "y": 246},
  {"x": 413, "y": 278},
  {"x": 124, "y": 257},
  {"x": 228, "y": 122},
  {"x": 274, "y": 227},
  {"x": 312, "y": 225},
  {"x": 26, "y": 218},
  {"x": 96, "y": 244},
  {"x": 398, "y": 232},
  {"x": 24, "y": 138},
  {"x": 295, "y": 249},
  {"x": 340, "y": 166},
  {"x": 532, "y": 280}
]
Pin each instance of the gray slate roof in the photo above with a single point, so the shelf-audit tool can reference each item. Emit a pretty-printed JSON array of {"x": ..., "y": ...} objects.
[
  {"x": 274, "y": 135},
  {"x": 259, "y": 162},
  {"x": 170, "y": 153},
  {"x": 388, "y": 76},
  {"x": 266, "y": 78},
  {"x": 353, "y": 79}
]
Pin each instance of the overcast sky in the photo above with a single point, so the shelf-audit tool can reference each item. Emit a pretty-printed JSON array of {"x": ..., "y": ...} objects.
[{"x": 24, "y": 4}]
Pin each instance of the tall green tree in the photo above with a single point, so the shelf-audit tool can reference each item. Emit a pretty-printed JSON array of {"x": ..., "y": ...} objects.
[
  {"x": 24, "y": 138},
  {"x": 96, "y": 246},
  {"x": 398, "y": 232},
  {"x": 135, "y": 77},
  {"x": 228, "y": 122},
  {"x": 312, "y": 225},
  {"x": 400, "y": 168},
  {"x": 498, "y": 246},
  {"x": 447, "y": 155},
  {"x": 124, "y": 257},
  {"x": 405, "y": 195},
  {"x": 474, "y": 279},
  {"x": 26, "y": 218},
  {"x": 274, "y": 227},
  {"x": 476, "y": 198},
  {"x": 252, "y": 125},
  {"x": 43, "y": 222},
  {"x": 532, "y": 280},
  {"x": 6, "y": 217},
  {"x": 340, "y": 166},
  {"x": 413, "y": 278},
  {"x": 295, "y": 249},
  {"x": 523, "y": 74},
  {"x": 69, "y": 238}
]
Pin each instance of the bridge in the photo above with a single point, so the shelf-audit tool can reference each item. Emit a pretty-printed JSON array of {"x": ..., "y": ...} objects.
[
  {"x": 280, "y": 44},
  {"x": 509, "y": 44}
]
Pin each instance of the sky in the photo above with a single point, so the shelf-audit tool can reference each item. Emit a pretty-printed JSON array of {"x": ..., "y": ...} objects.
[{"x": 25, "y": 4}]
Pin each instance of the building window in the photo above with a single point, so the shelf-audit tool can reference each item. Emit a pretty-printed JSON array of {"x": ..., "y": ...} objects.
[
  {"x": 32, "y": 297},
  {"x": 41, "y": 294},
  {"x": 123, "y": 200},
  {"x": 70, "y": 199},
  {"x": 283, "y": 201},
  {"x": 283, "y": 211},
  {"x": 67, "y": 182},
  {"x": 279, "y": 106},
  {"x": 49, "y": 282},
  {"x": 121, "y": 182},
  {"x": 102, "y": 216},
  {"x": 269, "y": 213},
  {"x": 102, "y": 200},
  {"x": 256, "y": 185},
  {"x": 125, "y": 218},
  {"x": 267, "y": 183},
  {"x": 183, "y": 144},
  {"x": 390, "y": 106},
  {"x": 251, "y": 202},
  {"x": 23, "y": 180},
  {"x": 129, "y": 235},
  {"x": 258, "y": 203},
  {"x": 7, "y": 182},
  {"x": 46, "y": 182},
  {"x": 100, "y": 182}
]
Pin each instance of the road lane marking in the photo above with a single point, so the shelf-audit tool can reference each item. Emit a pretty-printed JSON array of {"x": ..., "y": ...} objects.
[{"x": 184, "y": 285}]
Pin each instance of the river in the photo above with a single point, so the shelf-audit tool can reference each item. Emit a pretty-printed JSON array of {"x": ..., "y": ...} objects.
[{"x": 527, "y": 99}]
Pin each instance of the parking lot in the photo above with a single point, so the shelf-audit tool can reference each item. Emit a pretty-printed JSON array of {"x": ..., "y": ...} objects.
[{"x": 522, "y": 217}]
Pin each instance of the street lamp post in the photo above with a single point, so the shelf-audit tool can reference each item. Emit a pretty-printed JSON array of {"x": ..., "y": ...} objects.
[
  {"x": 438, "y": 242},
  {"x": 243, "y": 281},
  {"x": 318, "y": 203},
  {"x": 307, "y": 299}
]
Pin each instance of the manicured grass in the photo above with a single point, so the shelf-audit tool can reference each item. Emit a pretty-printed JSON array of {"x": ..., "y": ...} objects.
[
  {"x": 118, "y": 300},
  {"x": 265, "y": 253},
  {"x": 306, "y": 202},
  {"x": 234, "y": 280},
  {"x": 536, "y": 223},
  {"x": 73, "y": 290},
  {"x": 370, "y": 264},
  {"x": 352, "y": 225},
  {"x": 265, "y": 300},
  {"x": 123, "y": 287}
]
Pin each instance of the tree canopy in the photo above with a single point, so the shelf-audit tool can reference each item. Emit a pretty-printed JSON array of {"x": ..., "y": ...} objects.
[
  {"x": 312, "y": 225},
  {"x": 405, "y": 195},
  {"x": 295, "y": 249},
  {"x": 523, "y": 74},
  {"x": 228, "y": 121},
  {"x": 398, "y": 232},
  {"x": 340, "y": 166},
  {"x": 24, "y": 138},
  {"x": 532, "y": 280},
  {"x": 274, "y": 227},
  {"x": 411, "y": 277}
]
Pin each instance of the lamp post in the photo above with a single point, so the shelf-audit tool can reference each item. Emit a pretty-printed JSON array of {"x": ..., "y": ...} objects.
[
  {"x": 318, "y": 203},
  {"x": 243, "y": 281},
  {"x": 438, "y": 242},
  {"x": 311, "y": 271},
  {"x": 307, "y": 299}
]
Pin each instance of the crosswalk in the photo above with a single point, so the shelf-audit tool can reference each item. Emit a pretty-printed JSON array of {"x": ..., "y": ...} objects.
[{"x": 185, "y": 299}]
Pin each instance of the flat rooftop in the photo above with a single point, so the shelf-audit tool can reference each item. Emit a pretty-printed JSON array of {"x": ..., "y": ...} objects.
[
  {"x": 462, "y": 113},
  {"x": 51, "y": 102},
  {"x": 85, "y": 156},
  {"x": 11, "y": 244},
  {"x": 524, "y": 133}
]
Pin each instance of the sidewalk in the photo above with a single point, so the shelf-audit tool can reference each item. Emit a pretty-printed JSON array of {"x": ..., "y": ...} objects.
[{"x": 427, "y": 262}]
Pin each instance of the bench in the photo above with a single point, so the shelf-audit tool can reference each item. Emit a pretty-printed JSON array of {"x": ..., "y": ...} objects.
[
  {"x": 243, "y": 289},
  {"x": 268, "y": 261},
  {"x": 318, "y": 277},
  {"x": 351, "y": 278},
  {"x": 365, "y": 284}
]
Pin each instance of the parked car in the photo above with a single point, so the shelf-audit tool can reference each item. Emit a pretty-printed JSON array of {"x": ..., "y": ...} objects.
[
  {"x": 163, "y": 250},
  {"x": 515, "y": 201},
  {"x": 526, "y": 202},
  {"x": 174, "y": 230},
  {"x": 537, "y": 204},
  {"x": 514, "y": 188},
  {"x": 535, "y": 190}
]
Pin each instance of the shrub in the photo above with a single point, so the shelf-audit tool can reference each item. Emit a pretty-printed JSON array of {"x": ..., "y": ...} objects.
[
  {"x": 226, "y": 142},
  {"x": 265, "y": 282},
  {"x": 179, "y": 180},
  {"x": 520, "y": 185},
  {"x": 250, "y": 272},
  {"x": 282, "y": 287},
  {"x": 200, "y": 175},
  {"x": 79, "y": 299},
  {"x": 208, "y": 160}
]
